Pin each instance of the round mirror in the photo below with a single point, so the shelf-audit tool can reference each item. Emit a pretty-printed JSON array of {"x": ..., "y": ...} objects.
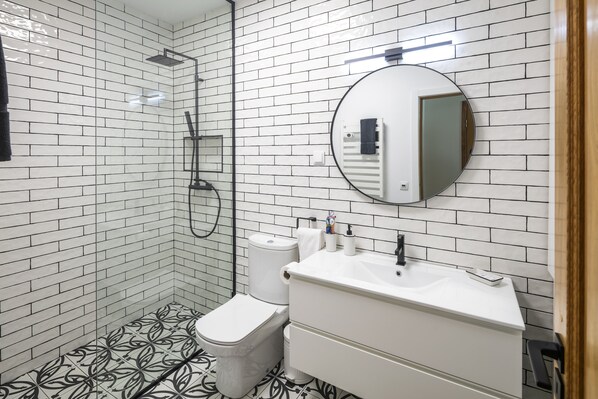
[{"x": 402, "y": 134}]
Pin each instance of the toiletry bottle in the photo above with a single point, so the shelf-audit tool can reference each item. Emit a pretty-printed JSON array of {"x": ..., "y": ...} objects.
[{"x": 349, "y": 242}]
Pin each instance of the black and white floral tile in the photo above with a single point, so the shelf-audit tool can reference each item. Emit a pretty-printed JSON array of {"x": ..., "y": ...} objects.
[
  {"x": 193, "y": 382},
  {"x": 125, "y": 362}
]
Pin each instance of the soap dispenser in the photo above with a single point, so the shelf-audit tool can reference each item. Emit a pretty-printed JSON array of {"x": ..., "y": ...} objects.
[{"x": 349, "y": 242}]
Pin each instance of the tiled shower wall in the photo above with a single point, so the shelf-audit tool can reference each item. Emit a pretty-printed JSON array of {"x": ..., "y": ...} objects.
[
  {"x": 203, "y": 267},
  {"x": 291, "y": 76},
  {"x": 47, "y": 192},
  {"x": 47, "y": 214}
]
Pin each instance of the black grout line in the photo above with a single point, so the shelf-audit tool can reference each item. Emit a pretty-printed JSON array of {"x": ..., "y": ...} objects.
[{"x": 164, "y": 376}]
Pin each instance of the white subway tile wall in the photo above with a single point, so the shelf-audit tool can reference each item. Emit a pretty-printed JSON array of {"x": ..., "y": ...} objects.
[
  {"x": 71, "y": 61},
  {"x": 291, "y": 76},
  {"x": 47, "y": 211}
]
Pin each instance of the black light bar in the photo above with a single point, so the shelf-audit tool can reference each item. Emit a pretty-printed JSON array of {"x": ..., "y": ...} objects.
[{"x": 397, "y": 53}]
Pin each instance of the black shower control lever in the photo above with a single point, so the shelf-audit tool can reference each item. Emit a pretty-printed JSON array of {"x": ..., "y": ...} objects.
[{"x": 198, "y": 186}]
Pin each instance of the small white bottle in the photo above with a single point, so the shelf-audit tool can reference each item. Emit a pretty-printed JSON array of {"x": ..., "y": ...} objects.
[{"x": 349, "y": 242}]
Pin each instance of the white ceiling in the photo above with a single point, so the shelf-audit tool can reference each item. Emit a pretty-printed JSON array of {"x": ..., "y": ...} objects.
[{"x": 174, "y": 11}]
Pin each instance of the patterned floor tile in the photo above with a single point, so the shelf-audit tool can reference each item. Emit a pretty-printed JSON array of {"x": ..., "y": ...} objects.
[
  {"x": 123, "y": 381},
  {"x": 121, "y": 341},
  {"x": 317, "y": 389},
  {"x": 203, "y": 362},
  {"x": 22, "y": 388},
  {"x": 124, "y": 376},
  {"x": 168, "y": 317},
  {"x": 129, "y": 359},
  {"x": 172, "y": 340},
  {"x": 179, "y": 382},
  {"x": 160, "y": 392},
  {"x": 57, "y": 376},
  {"x": 187, "y": 385},
  {"x": 188, "y": 325},
  {"x": 186, "y": 314},
  {"x": 94, "y": 357},
  {"x": 84, "y": 391},
  {"x": 141, "y": 351},
  {"x": 203, "y": 388},
  {"x": 95, "y": 360},
  {"x": 157, "y": 364},
  {"x": 185, "y": 346},
  {"x": 276, "y": 386}
]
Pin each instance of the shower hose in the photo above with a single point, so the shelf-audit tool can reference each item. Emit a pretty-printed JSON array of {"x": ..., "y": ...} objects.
[{"x": 210, "y": 186}]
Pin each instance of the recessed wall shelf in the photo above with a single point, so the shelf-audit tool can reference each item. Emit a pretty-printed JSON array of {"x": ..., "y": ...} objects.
[{"x": 210, "y": 153}]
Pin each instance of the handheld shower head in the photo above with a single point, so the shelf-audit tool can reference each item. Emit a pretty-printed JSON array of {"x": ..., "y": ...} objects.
[{"x": 189, "y": 123}]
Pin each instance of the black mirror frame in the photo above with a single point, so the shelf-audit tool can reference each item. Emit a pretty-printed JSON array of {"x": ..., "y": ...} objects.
[{"x": 347, "y": 93}]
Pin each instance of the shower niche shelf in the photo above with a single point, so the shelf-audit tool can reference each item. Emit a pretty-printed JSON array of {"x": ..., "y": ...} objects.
[{"x": 211, "y": 156}]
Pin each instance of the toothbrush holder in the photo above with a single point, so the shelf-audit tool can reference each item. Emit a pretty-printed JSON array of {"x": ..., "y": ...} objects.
[{"x": 330, "y": 242}]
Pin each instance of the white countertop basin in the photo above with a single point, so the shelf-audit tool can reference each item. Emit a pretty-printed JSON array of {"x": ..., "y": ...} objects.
[{"x": 421, "y": 283}]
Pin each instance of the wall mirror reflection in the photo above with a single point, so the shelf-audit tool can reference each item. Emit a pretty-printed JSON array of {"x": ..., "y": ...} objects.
[{"x": 409, "y": 141}]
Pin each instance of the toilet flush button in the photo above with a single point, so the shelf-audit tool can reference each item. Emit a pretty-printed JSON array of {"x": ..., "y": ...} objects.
[{"x": 270, "y": 241}]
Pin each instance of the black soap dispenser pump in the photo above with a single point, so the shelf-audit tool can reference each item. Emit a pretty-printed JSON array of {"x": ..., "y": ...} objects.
[{"x": 349, "y": 242}]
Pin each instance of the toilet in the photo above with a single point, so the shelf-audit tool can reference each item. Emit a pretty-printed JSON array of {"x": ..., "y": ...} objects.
[{"x": 245, "y": 334}]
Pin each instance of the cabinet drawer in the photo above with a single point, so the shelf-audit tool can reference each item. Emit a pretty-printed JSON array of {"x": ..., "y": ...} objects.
[
  {"x": 368, "y": 375},
  {"x": 484, "y": 355}
]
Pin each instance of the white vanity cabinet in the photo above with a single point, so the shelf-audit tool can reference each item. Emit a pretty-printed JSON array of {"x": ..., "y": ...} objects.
[{"x": 382, "y": 346}]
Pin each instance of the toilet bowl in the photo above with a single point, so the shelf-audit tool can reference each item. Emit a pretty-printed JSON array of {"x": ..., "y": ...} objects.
[{"x": 245, "y": 334}]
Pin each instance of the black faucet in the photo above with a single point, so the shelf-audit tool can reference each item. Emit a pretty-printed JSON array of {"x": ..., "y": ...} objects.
[{"x": 400, "y": 251}]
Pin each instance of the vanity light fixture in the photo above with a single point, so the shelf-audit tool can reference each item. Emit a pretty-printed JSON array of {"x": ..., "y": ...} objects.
[{"x": 397, "y": 53}]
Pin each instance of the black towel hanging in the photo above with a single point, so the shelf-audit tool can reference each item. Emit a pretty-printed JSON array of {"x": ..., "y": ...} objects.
[
  {"x": 5, "y": 150},
  {"x": 368, "y": 136}
]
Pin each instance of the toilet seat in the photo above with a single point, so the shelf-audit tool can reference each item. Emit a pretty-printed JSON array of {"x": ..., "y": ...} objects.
[{"x": 235, "y": 320}]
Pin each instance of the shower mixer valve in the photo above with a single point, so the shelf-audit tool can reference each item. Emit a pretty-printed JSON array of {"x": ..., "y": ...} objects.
[{"x": 198, "y": 186}]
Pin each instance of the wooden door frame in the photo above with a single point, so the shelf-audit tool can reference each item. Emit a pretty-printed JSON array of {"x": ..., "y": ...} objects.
[
  {"x": 575, "y": 256},
  {"x": 591, "y": 201}
]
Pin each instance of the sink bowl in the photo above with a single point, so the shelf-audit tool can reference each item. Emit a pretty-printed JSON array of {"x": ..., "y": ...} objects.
[
  {"x": 420, "y": 283},
  {"x": 386, "y": 274}
]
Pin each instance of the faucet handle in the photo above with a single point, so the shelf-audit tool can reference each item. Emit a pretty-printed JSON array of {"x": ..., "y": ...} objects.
[{"x": 400, "y": 251}]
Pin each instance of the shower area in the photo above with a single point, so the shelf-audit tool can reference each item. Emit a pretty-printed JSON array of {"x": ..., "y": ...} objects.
[{"x": 144, "y": 243}]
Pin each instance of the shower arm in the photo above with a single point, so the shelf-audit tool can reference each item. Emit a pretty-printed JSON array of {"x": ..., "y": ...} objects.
[
  {"x": 196, "y": 79},
  {"x": 197, "y": 136}
]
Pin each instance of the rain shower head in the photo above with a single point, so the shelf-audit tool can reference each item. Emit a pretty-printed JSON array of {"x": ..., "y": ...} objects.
[{"x": 164, "y": 60}]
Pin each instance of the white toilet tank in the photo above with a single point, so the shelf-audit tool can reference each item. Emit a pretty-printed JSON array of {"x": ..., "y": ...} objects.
[{"x": 267, "y": 255}]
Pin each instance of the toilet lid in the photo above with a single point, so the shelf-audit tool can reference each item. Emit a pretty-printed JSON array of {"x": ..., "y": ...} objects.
[{"x": 235, "y": 320}]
